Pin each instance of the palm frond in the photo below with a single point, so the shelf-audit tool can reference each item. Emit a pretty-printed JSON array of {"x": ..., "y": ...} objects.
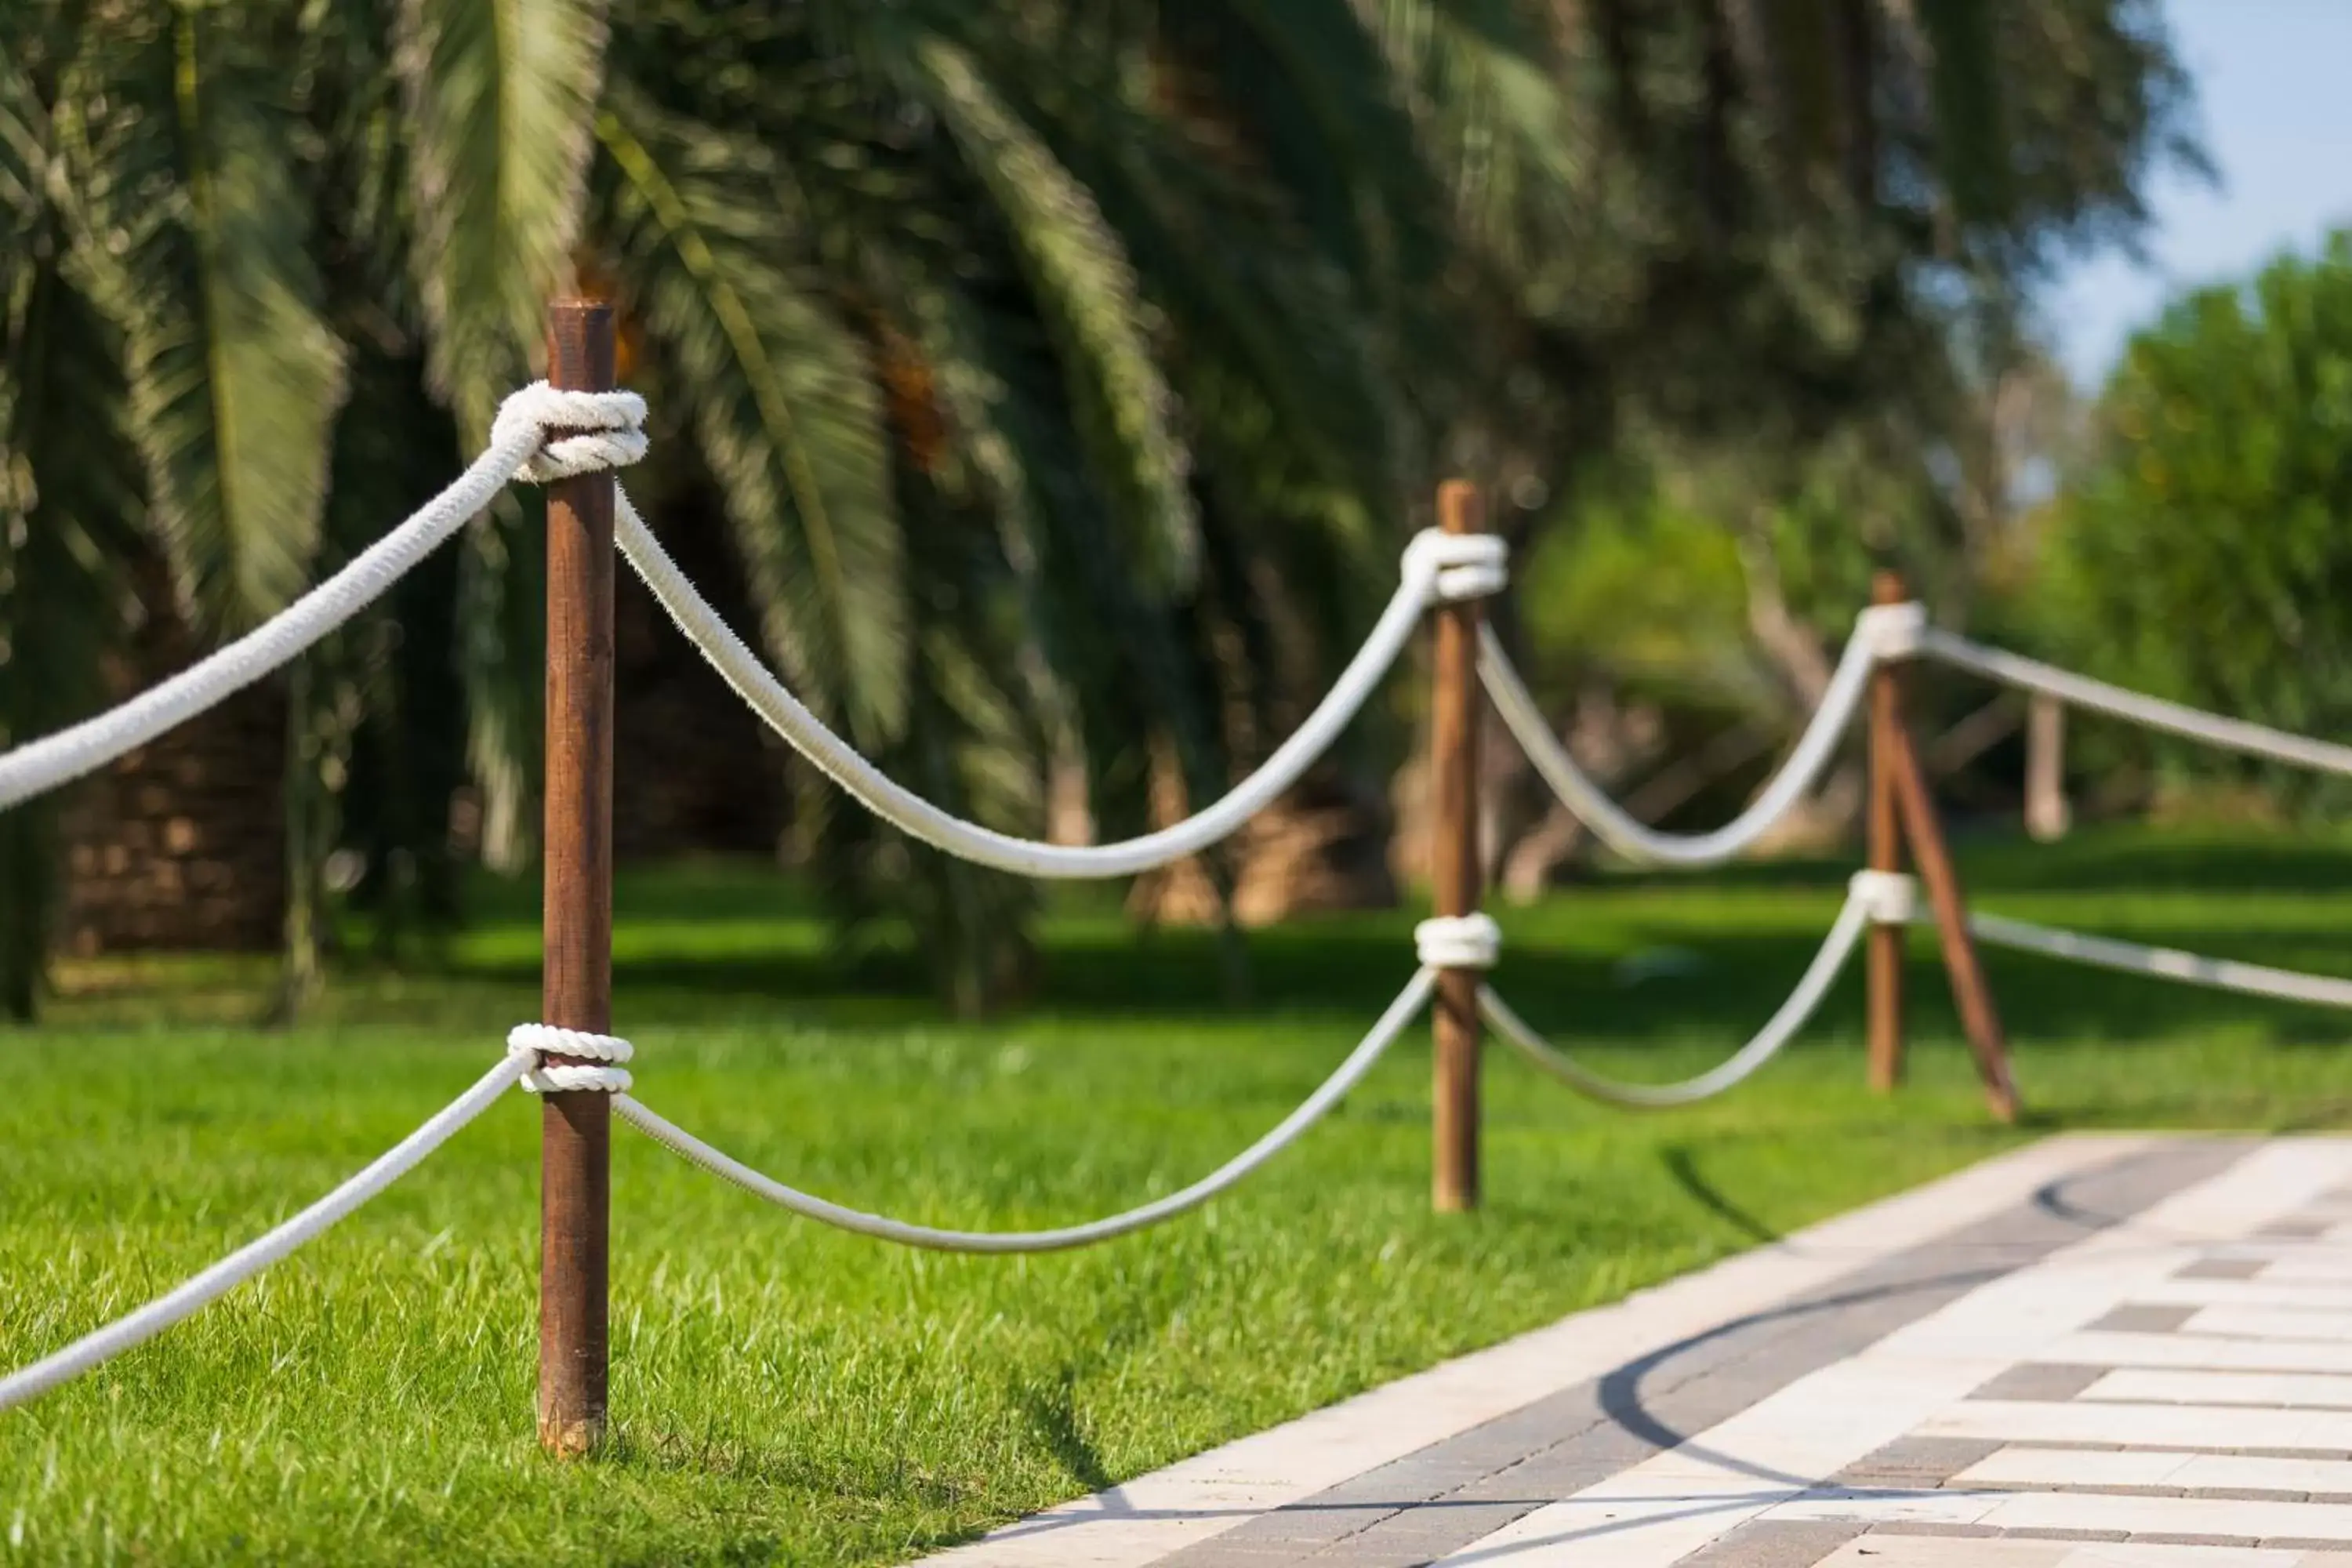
[
  {"x": 782, "y": 396},
  {"x": 194, "y": 236},
  {"x": 1085, "y": 288},
  {"x": 500, "y": 94}
]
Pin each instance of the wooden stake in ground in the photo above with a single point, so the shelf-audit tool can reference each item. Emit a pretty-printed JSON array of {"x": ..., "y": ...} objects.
[
  {"x": 1455, "y": 871},
  {"x": 2046, "y": 817},
  {"x": 1898, "y": 759},
  {"x": 1884, "y": 955},
  {"x": 575, "y": 1135}
]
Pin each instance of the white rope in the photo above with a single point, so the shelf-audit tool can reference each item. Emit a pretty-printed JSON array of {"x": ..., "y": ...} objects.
[
  {"x": 1458, "y": 941},
  {"x": 1426, "y": 563},
  {"x": 519, "y": 446},
  {"x": 1836, "y": 947},
  {"x": 599, "y": 1068},
  {"x": 1883, "y": 632},
  {"x": 1458, "y": 566},
  {"x": 1350, "y": 1072},
  {"x": 1887, "y": 898},
  {"x": 2154, "y": 712},
  {"x": 2170, "y": 964},
  {"x": 192, "y": 1294}
]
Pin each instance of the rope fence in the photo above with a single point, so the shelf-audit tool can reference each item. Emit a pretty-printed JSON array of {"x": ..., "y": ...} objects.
[{"x": 575, "y": 438}]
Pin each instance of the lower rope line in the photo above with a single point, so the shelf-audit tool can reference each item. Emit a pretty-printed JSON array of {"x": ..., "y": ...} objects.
[
  {"x": 1861, "y": 910},
  {"x": 185, "y": 1299},
  {"x": 1348, "y": 1074},
  {"x": 2169, "y": 964}
]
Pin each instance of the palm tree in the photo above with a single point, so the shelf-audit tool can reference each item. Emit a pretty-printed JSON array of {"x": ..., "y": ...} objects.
[
  {"x": 1058, "y": 370},
  {"x": 1002, "y": 334}
]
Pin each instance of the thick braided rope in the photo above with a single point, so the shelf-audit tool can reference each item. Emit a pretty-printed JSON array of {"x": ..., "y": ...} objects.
[
  {"x": 1883, "y": 632},
  {"x": 185, "y": 1299},
  {"x": 599, "y": 1067},
  {"x": 1349, "y": 1072},
  {"x": 1458, "y": 941},
  {"x": 519, "y": 446},
  {"x": 1435, "y": 565},
  {"x": 1852, "y": 919}
]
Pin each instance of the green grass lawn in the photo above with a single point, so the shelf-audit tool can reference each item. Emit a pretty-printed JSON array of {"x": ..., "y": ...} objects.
[{"x": 781, "y": 1393}]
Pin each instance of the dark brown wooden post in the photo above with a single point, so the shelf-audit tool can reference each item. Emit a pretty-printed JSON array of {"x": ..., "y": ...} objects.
[
  {"x": 1455, "y": 871},
  {"x": 1934, "y": 859},
  {"x": 575, "y": 1129},
  {"x": 1886, "y": 942}
]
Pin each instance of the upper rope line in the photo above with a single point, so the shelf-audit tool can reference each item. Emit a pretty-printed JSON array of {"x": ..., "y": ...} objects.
[
  {"x": 541, "y": 434},
  {"x": 1883, "y": 632},
  {"x": 1438, "y": 568},
  {"x": 2241, "y": 735}
]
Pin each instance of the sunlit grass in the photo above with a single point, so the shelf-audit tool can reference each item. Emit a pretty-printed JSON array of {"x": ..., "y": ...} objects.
[{"x": 785, "y": 1393}]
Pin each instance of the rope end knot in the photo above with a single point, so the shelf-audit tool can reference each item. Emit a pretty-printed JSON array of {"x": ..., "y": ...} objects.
[
  {"x": 597, "y": 1066},
  {"x": 1458, "y": 941},
  {"x": 573, "y": 432},
  {"x": 1452, "y": 567}
]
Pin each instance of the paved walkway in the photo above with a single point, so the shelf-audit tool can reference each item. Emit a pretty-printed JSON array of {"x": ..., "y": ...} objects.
[{"x": 2097, "y": 1350}]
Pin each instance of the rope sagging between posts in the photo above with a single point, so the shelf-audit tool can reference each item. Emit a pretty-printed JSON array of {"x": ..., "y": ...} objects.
[
  {"x": 1345, "y": 1077},
  {"x": 1437, "y": 568},
  {"x": 1882, "y": 633},
  {"x": 1853, "y": 918}
]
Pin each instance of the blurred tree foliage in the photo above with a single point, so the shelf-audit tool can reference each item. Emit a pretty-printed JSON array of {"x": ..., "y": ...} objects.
[
  {"x": 1061, "y": 370},
  {"x": 2199, "y": 550}
]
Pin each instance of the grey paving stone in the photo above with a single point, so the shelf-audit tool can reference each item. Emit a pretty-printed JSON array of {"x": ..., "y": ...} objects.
[
  {"x": 2039, "y": 1380},
  {"x": 2247, "y": 1494},
  {"x": 2296, "y": 1229},
  {"x": 1448, "y": 1495},
  {"x": 2055, "y": 1534},
  {"x": 2302, "y": 1543},
  {"x": 2222, "y": 1269},
  {"x": 1920, "y": 1462},
  {"x": 2144, "y": 1319},
  {"x": 1770, "y": 1543},
  {"x": 1925, "y": 1527},
  {"x": 2171, "y": 1538}
]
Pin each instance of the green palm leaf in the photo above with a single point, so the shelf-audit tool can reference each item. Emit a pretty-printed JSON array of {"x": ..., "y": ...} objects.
[
  {"x": 1086, "y": 289},
  {"x": 781, "y": 393},
  {"x": 195, "y": 234},
  {"x": 500, "y": 96}
]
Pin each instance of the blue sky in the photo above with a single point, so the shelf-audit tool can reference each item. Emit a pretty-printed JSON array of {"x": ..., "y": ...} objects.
[{"x": 2275, "y": 105}]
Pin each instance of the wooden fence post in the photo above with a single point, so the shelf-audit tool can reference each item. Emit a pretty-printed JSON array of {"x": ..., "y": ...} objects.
[
  {"x": 575, "y": 1128},
  {"x": 1455, "y": 871},
  {"x": 1895, "y": 769},
  {"x": 1885, "y": 983}
]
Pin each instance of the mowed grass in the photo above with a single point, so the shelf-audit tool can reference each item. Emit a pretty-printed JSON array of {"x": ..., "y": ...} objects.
[{"x": 785, "y": 1393}]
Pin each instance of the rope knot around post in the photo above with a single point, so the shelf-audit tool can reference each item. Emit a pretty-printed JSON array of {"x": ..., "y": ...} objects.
[
  {"x": 597, "y": 1066},
  {"x": 577, "y": 432},
  {"x": 1888, "y": 897},
  {"x": 1893, "y": 632},
  {"x": 1454, "y": 567},
  {"x": 1458, "y": 941}
]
